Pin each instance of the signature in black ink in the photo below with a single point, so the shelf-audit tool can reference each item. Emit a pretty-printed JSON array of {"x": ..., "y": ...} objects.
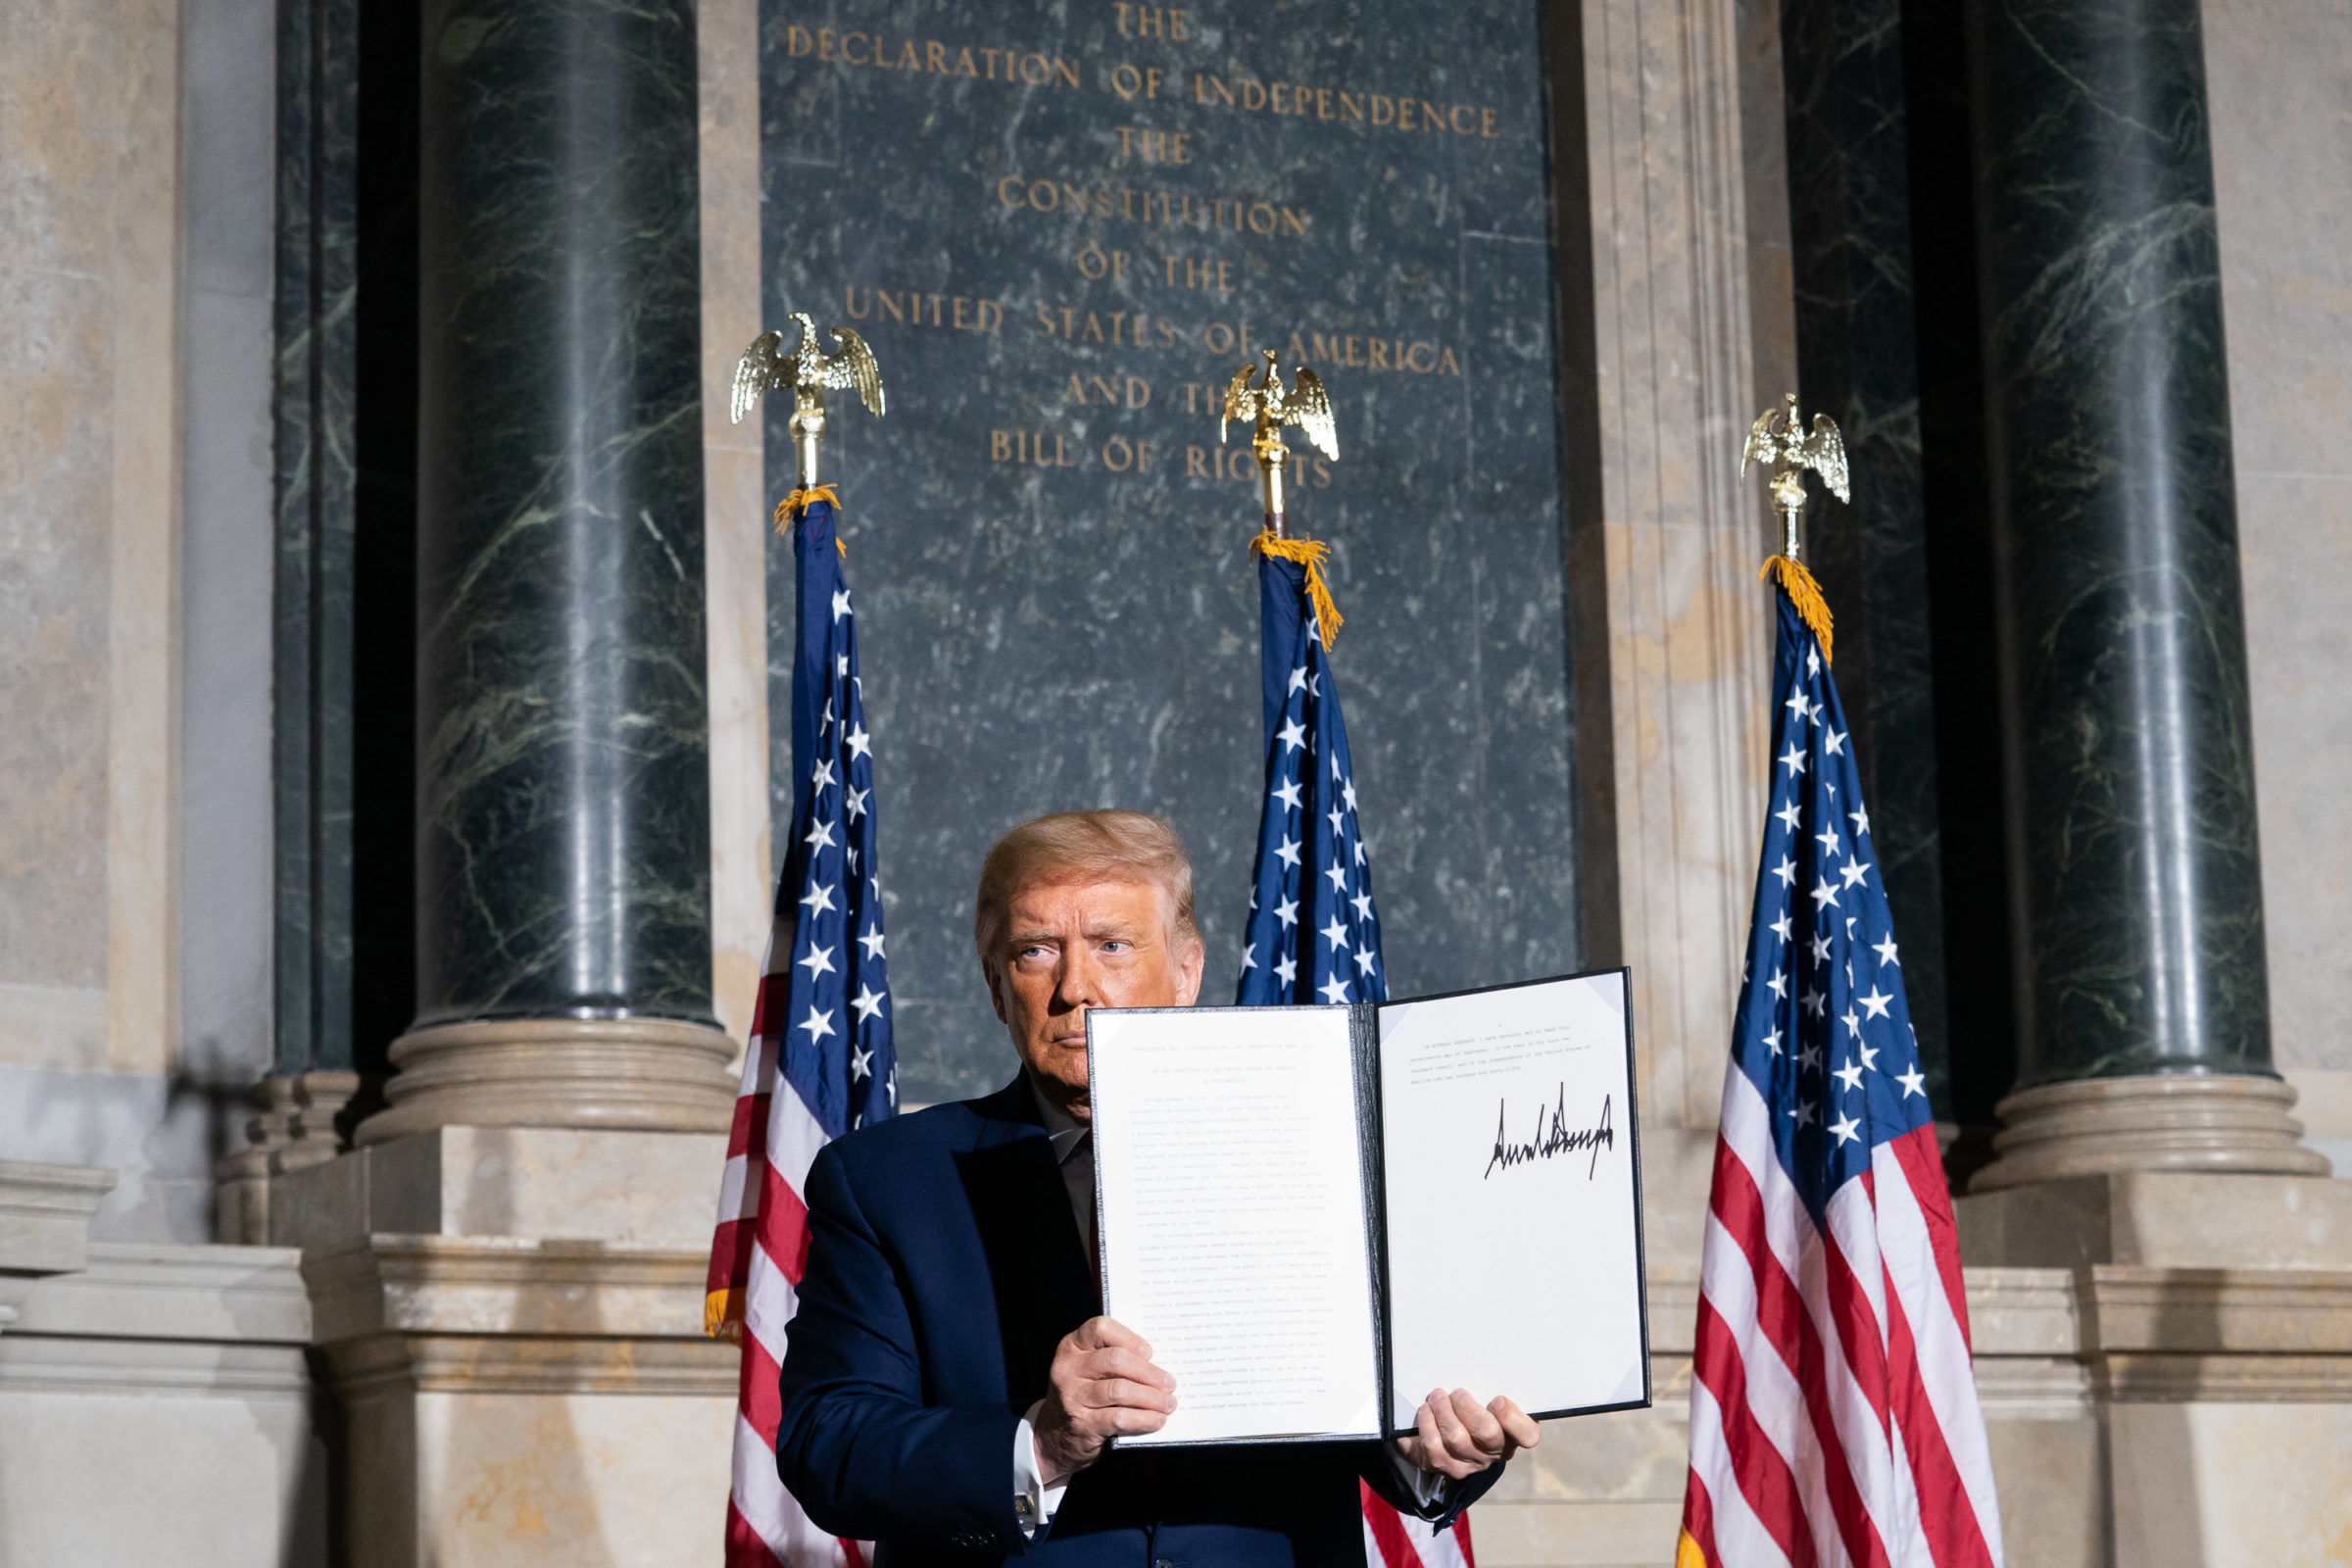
[{"x": 1553, "y": 1136}]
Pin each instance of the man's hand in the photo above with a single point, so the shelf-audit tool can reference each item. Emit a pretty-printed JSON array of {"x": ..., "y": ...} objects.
[
  {"x": 1102, "y": 1384},
  {"x": 1457, "y": 1437}
]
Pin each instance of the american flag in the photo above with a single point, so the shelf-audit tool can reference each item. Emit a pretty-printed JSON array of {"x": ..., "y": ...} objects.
[
  {"x": 1833, "y": 1415},
  {"x": 1313, "y": 934},
  {"x": 820, "y": 1060}
]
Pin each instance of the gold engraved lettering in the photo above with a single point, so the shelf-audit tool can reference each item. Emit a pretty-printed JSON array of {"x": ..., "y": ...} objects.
[
  {"x": 963, "y": 63},
  {"x": 797, "y": 42},
  {"x": 1154, "y": 146},
  {"x": 962, "y": 312},
  {"x": 1119, "y": 455},
  {"x": 1196, "y": 463}
]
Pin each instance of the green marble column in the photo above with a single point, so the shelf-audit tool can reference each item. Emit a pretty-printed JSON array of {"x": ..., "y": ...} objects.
[
  {"x": 2139, "y": 936},
  {"x": 563, "y": 900}
]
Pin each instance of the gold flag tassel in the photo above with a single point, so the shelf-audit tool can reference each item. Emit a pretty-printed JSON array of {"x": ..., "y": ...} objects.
[
  {"x": 1804, "y": 593},
  {"x": 1309, "y": 554},
  {"x": 793, "y": 505},
  {"x": 722, "y": 1314}
]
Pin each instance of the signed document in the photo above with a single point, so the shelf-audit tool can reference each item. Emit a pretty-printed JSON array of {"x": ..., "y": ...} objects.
[{"x": 1316, "y": 1215}]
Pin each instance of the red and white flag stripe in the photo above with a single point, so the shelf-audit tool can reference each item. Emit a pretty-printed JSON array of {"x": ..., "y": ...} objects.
[
  {"x": 1833, "y": 1415},
  {"x": 1393, "y": 1541},
  {"x": 757, "y": 1261}
]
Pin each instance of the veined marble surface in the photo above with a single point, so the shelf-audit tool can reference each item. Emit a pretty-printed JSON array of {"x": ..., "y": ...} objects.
[
  {"x": 1047, "y": 539},
  {"x": 2124, "y": 662},
  {"x": 563, "y": 811}
]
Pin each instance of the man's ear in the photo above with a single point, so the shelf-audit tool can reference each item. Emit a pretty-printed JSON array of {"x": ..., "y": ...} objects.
[
  {"x": 996, "y": 994},
  {"x": 1192, "y": 958}
]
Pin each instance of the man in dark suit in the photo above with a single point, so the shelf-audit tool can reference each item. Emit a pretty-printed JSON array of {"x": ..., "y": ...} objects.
[{"x": 949, "y": 1388}]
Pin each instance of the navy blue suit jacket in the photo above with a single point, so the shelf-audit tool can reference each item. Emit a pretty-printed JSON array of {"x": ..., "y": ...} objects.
[{"x": 944, "y": 1268}]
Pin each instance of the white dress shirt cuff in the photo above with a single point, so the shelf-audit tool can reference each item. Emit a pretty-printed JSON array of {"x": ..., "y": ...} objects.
[
  {"x": 1426, "y": 1485},
  {"x": 1033, "y": 1501}
]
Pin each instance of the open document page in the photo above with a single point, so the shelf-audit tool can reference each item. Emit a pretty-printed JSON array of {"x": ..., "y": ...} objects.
[
  {"x": 1513, "y": 1242},
  {"x": 1229, "y": 1190}
]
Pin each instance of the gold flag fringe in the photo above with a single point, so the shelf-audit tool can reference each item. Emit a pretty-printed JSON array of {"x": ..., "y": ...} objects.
[
  {"x": 1804, "y": 593},
  {"x": 793, "y": 505},
  {"x": 722, "y": 1314},
  {"x": 1309, "y": 554}
]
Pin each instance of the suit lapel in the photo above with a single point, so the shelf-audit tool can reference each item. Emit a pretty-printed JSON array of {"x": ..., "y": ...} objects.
[{"x": 1038, "y": 1266}]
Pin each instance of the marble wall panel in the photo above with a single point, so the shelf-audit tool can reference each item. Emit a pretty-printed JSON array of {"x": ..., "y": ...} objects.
[
  {"x": 60, "y": 132},
  {"x": 2277, "y": 72},
  {"x": 568, "y": 1481},
  {"x": 1081, "y": 631},
  {"x": 1680, "y": 622},
  {"x": 89, "y": 485},
  {"x": 2230, "y": 1486},
  {"x": 735, "y": 513}
]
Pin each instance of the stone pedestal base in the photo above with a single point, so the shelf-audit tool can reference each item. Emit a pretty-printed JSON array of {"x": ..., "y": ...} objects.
[
  {"x": 2180, "y": 1122},
  {"x": 512, "y": 1320},
  {"x": 639, "y": 1074},
  {"x": 156, "y": 1407},
  {"x": 2176, "y": 1219}
]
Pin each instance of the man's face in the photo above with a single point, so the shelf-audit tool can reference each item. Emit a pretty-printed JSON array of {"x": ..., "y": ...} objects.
[{"x": 1074, "y": 945}]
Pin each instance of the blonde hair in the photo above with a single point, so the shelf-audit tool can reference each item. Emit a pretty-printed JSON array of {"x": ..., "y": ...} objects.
[{"x": 1073, "y": 844}]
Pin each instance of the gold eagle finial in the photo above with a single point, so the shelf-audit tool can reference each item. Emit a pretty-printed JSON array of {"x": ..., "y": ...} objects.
[
  {"x": 1270, "y": 407},
  {"x": 809, "y": 370},
  {"x": 1779, "y": 440},
  {"x": 1305, "y": 403}
]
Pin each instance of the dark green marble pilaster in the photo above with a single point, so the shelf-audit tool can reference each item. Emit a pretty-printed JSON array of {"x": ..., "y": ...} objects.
[
  {"x": 1849, "y": 226},
  {"x": 2138, "y": 935},
  {"x": 315, "y": 484},
  {"x": 564, "y": 797}
]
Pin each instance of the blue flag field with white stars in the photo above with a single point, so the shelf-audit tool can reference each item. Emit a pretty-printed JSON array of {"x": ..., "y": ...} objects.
[
  {"x": 833, "y": 1014},
  {"x": 1313, "y": 934},
  {"x": 1823, "y": 1030}
]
